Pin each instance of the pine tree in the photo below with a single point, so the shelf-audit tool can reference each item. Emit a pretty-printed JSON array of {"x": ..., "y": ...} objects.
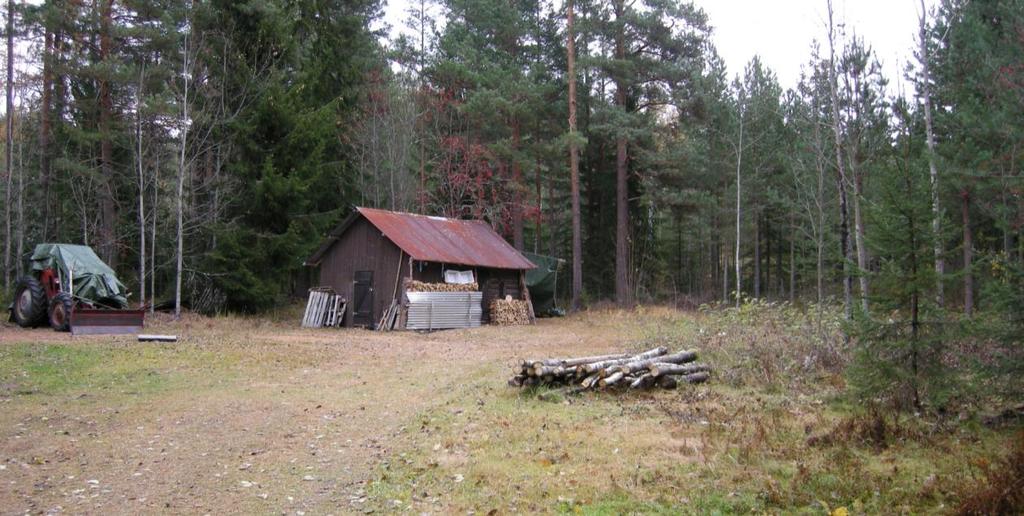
[{"x": 899, "y": 356}]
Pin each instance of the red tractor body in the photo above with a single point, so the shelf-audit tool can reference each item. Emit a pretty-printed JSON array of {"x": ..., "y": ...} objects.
[{"x": 68, "y": 301}]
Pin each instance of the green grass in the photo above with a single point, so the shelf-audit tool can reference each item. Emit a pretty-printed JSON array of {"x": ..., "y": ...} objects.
[
  {"x": 772, "y": 433},
  {"x": 108, "y": 369},
  {"x": 57, "y": 369}
]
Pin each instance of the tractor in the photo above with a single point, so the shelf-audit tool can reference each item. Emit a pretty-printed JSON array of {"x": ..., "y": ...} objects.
[{"x": 73, "y": 290}]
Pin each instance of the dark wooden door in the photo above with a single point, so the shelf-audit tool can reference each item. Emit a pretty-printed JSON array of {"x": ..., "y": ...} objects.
[{"x": 362, "y": 302}]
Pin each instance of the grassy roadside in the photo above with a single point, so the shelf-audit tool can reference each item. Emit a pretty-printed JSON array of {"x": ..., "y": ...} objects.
[{"x": 771, "y": 433}]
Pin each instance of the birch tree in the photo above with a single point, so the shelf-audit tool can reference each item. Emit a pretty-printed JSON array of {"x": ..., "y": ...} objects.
[
  {"x": 924, "y": 87},
  {"x": 184, "y": 123}
]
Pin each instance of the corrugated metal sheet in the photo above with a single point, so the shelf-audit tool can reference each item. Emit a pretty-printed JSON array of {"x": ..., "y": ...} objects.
[
  {"x": 443, "y": 310},
  {"x": 451, "y": 241}
]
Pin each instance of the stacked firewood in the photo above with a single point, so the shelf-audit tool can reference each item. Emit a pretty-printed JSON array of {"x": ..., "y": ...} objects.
[
  {"x": 421, "y": 286},
  {"x": 509, "y": 312},
  {"x": 652, "y": 368}
]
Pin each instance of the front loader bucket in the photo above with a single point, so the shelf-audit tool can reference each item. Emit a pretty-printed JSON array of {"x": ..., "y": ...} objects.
[{"x": 92, "y": 321}]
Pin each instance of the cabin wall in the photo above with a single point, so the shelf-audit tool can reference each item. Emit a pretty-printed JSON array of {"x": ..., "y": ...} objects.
[{"x": 363, "y": 247}]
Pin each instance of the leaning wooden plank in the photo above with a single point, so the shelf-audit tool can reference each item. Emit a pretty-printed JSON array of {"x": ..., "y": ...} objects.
[
  {"x": 305, "y": 315},
  {"x": 326, "y": 306},
  {"x": 315, "y": 314},
  {"x": 332, "y": 311},
  {"x": 318, "y": 315}
]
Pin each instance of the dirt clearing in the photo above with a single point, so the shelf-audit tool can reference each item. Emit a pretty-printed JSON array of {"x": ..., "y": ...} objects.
[
  {"x": 254, "y": 416},
  {"x": 239, "y": 416}
]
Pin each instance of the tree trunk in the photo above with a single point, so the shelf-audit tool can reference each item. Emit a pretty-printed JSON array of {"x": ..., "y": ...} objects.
[
  {"x": 152, "y": 235},
  {"x": 574, "y": 171},
  {"x": 965, "y": 207},
  {"x": 926, "y": 98},
  {"x": 9, "y": 149},
  {"x": 667, "y": 368},
  {"x": 862, "y": 251},
  {"x": 421, "y": 140},
  {"x": 780, "y": 280},
  {"x": 45, "y": 128},
  {"x": 180, "y": 208},
  {"x": 517, "y": 195},
  {"x": 623, "y": 293},
  {"x": 792, "y": 259},
  {"x": 142, "y": 191},
  {"x": 844, "y": 225},
  {"x": 739, "y": 211},
  {"x": 914, "y": 304},
  {"x": 19, "y": 248},
  {"x": 108, "y": 208},
  {"x": 819, "y": 202},
  {"x": 766, "y": 229},
  {"x": 757, "y": 255},
  {"x": 622, "y": 288},
  {"x": 725, "y": 274},
  {"x": 537, "y": 232}
]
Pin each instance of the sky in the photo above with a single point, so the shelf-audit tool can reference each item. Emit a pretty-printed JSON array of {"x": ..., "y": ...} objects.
[{"x": 781, "y": 31}]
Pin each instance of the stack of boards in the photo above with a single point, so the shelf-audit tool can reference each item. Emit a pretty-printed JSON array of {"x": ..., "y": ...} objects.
[{"x": 324, "y": 308}]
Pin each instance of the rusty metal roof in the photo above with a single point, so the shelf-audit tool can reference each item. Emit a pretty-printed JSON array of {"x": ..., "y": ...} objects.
[{"x": 438, "y": 239}]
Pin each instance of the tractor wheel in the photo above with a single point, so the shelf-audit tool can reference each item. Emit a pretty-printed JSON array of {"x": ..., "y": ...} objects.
[
  {"x": 29, "y": 302},
  {"x": 60, "y": 312}
]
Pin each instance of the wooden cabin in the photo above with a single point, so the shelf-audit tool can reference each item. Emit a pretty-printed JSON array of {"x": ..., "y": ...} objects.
[{"x": 368, "y": 257}]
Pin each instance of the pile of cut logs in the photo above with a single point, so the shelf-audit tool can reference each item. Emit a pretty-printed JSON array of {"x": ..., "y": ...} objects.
[
  {"x": 420, "y": 286},
  {"x": 509, "y": 312},
  {"x": 652, "y": 368}
]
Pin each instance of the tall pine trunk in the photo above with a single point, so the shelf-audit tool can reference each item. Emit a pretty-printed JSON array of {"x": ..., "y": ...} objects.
[
  {"x": 574, "y": 170},
  {"x": 757, "y": 254},
  {"x": 537, "y": 229},
  {"x": 9, "y": 149},
  {"x": 108, "y": 208},
  {"x": 739, "y": 209},
  {"x": 965, "y": 208},
  {"x": 517, "y": 195},
  {"x": 622, "y": 254},
  {"x": 792, "y": 259},
  {"x": 19, "y": 248},
  {"x": 45, "y": 128}
]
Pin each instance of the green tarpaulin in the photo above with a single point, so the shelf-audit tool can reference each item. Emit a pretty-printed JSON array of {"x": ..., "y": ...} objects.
[
  {"x": 542, "y": 283},
  {"x": 93, "y": 280}
]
